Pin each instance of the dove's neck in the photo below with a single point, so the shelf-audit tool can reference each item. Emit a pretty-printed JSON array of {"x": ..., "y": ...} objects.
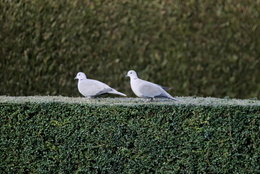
[
  {"x": 82, "y": 79},
  {"x": 133, "y": 78}
]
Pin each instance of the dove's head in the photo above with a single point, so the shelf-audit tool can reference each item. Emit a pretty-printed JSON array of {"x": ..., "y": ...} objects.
[
  {"x": 132, "y": 74},
  {"x": 80, "y": 76}
]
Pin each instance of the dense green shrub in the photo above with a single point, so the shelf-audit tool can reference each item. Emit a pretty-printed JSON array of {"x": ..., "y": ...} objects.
[
  {"x": 203, "y": 48},
  {"x": 61, "y": 137}
]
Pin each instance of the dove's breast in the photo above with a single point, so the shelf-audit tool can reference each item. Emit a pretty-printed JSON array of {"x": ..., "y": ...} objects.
[{"x": 135, "y": 85}]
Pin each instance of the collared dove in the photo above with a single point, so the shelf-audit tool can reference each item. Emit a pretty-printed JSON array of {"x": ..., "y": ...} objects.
[
  {"x": 146, "y": 89},
  {"x": 91, "y": 88}
]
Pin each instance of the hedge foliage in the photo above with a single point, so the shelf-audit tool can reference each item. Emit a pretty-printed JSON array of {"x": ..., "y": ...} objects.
[
  {"x": 203, "y": 48},
  {"x": 139, "y": 138}
]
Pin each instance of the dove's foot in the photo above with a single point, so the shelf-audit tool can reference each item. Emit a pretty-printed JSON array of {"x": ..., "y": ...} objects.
[{"x": 148, "y": 100}]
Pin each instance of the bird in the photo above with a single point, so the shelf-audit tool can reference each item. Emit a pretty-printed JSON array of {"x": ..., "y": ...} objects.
[
  {"x": 92, "y": 88},
  {"x": 145, "y": 89}
]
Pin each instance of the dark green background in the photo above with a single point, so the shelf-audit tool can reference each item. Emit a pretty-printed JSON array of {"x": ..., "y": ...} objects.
[{"x": 203, "y": 48}]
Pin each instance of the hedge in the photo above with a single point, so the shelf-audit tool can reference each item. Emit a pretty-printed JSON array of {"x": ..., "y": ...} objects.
[
  {"x": 202, "y": 48},
  {"x": 75, "y": 135}
]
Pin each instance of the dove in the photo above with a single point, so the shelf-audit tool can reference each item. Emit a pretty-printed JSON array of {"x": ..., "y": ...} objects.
[
  {"x": 145, "y": 89},
  {"x": 91, "y": 88}
]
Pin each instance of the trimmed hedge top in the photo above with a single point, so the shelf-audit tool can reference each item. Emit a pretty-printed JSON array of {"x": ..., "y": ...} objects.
[
  {"x": 128, "y": 135},
  {"x": 197, "y": 101}
]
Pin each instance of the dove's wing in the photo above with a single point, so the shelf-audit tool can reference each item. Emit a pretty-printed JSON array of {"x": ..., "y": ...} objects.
[
  {"x": 91, "y": 87},
  {"x": 165, "y": 88},
  {"x": 143, "y": 88},
  {"x": 149, "y": 89},
  {"x": 105, "y": 90}
]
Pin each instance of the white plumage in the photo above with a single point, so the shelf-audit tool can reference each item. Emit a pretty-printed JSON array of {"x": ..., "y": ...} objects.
[
  {"x": 92, "y": 88},
  {"x": 145, "y": 89}
]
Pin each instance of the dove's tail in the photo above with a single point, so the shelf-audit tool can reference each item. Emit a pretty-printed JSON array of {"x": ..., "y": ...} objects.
[
  {"x": 116, "y": 92},
  {"x": 167, "y": 95},
  {"x": 172, "y": 98}
]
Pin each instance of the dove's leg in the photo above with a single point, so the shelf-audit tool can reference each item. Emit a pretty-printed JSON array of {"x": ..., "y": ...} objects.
[
  {"x": 150, "y": 99},
  {"x": 146, "y": 99}
]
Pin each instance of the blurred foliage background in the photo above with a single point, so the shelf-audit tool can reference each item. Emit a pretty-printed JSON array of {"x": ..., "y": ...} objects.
[{"x": 199, "y": 48}]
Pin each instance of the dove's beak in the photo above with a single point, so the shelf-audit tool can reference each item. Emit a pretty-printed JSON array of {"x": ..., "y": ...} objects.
[{"x": 75, "y": 78}]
